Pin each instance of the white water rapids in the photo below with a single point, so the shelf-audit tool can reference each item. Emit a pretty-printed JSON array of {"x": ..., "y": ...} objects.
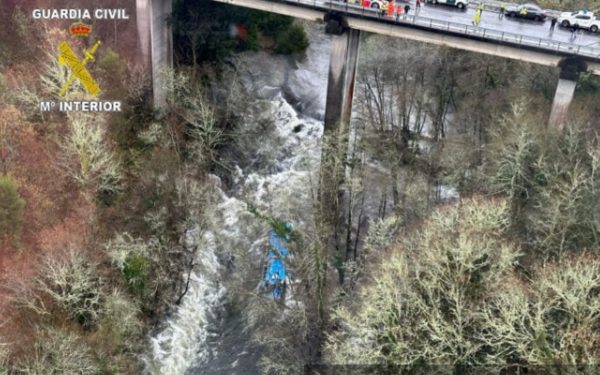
[{"x": 191, "y": 339}]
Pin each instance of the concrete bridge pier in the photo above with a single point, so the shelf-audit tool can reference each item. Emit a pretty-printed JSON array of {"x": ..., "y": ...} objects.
[
  {"x": 570, "y": 68},
  {"x": 343, "y": 61},
  {"x": 156, "y": 41},
  {"x": 340, "y": 90}
]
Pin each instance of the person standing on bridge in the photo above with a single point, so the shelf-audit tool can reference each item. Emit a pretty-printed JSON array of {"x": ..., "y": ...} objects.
[
  {"x": 390, "y": 9},
  {"x": 574, "y": 30},
  {"x": 418, "y": 6},
  {"x": 399, "y": 11},
  {"x": 552, "y": 25},
  {"x": 477, "y": 18},
  {"x": 406, "y": 9},
  {"x": 502, "y": 10}
]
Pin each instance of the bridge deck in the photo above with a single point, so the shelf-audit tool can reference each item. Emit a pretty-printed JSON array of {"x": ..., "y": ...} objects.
[{"x": 477, "y": 39}]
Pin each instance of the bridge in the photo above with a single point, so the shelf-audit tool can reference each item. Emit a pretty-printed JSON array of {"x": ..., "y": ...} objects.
[{"x": 346, "y": 21}]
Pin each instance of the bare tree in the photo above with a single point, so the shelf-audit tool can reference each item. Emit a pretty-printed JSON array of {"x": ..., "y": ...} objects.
[
  {"x": 57, "y": 352},
  {"x": 449, "y": 299},
  {"x": 551, "y": 180},
  {"x": 420, "y": 307},
  {"x": 190, "y": 103},
  {"x": 88, "y": 157},
  {"x": 73, "y": 284},
  {"x": 550, "y": 326}
]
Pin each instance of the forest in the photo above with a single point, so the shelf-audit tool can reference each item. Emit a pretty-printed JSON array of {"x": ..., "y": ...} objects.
[{"x": 467, "y": 236}]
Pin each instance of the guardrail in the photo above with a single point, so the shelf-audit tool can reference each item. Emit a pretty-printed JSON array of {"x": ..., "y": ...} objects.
[{"x": 452, "y": 28}]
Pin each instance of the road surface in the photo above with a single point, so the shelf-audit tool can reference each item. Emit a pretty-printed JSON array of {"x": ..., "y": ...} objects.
[{"x": 490, "y": 20}]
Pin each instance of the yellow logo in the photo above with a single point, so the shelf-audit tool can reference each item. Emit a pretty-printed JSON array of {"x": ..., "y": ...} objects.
[{"x": 78, "y": 69}]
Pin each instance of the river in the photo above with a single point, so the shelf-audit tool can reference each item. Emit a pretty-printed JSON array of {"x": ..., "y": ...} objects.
[{"x": 206, "y": 333}]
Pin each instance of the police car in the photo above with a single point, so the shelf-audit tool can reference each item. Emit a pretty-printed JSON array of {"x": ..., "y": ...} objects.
[
  {"x": 583, "y": 19},
  {"x": 460, "y": 4}
]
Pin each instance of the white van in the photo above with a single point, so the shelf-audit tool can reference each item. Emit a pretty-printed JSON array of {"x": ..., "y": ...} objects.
[{"x": 583, "y": 19}]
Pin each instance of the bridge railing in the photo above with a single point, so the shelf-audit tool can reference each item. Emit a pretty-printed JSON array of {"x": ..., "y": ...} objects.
[
  {"x": 512, "y": 38},
  {"x": 453, "y": 28}
]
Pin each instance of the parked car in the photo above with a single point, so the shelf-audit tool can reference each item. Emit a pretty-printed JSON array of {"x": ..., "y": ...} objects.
[
  {"x": 583, "y": 19},
  {"x": 460, "y": 4},
  {"x": 526, "y": 11}
]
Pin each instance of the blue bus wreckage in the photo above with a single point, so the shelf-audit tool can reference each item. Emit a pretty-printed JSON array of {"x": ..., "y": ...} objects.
[{"x": 275, "y": 279}]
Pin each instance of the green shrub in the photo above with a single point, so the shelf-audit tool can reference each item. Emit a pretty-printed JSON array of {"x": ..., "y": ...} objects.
[
  {"x": 135, "y": 119},
  {"x": 11, "y": 209},
  {"x": 588, "y": 84},
  {"x": 272, "y": 24},
  {"x": 114, "y": 73},
  {"x": 292, "y": 40},
  {"x": 136, "y": 271},
  {"x": 132, "y": 257}
]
